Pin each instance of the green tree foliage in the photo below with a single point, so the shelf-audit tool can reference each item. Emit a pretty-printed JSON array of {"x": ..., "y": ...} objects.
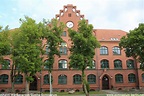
[
  {"x": 133, "y": 43},
  {"x": 52, "y": 33},
  {"x": 5, "y": 47},
  {"x": 27, "y": 49},
  {"x": 83, "y": 48},
  {"x": 14, "y": 35}
]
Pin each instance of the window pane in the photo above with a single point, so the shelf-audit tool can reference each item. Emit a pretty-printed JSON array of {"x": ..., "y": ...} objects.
[
  {"x": 19, "y": 79},
  {"x": 63, "y": 48},
  {"x": 116, "y": 51},
  {"x": 103, "y": 50},
  {"x": 47, "y": 50},
  {"x": 4, "y": 79},
  {"x": 64, "y": 33},
  {"x": 119, "y": 78},
  {"x": 93, "y": 65},
  {"x": 130, "y": 64},
  {"x": 104, "y": 64},
  {"x": 46, "y": 79},
  {"x": 62, "y": 79},
  {"x": 6, "y": 64},
  {"x": 77, "y": 79},
  {"x": 91, "y": 79},
  {"x": 117, "y": 64},
  {"x": 131, "y": 78},
  {"x": 62, "y": 64},
  {"x": 142, "y": 77},
  {"x": 46, "y": 65}
]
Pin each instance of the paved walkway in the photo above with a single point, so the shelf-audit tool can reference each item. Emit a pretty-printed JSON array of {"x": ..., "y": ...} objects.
[
  {"x": 124, "y": 92},
  {"x": 111, "y": 92}
]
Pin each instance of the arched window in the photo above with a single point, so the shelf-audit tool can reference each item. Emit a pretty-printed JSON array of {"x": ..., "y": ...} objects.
[
  {"x": 47, "y": 50},
  {"x": 93, "y": 65},
  {"x": 130, "y": 64},
  {"x": 91, "y": 79},
  {"x": 119, "y": 78},
  {"x": 46, "y": 66},
  {"x": 131, "y": 78},
  {"x": 104, "y": 63},
  {"x": 46, "y": 79},
  {"x": 19, "y": 79},
  {"x": 3, "y": 79},
  {"x": 62, "y": 79},
  {"x": 77, "y": 79},
  {"x": 117, "y": 64},
  {"x": 116, "y": 50},
  {"x": 103, "y": 50},
  {"x": 143, "y": 77},
  {"x": 6, "y": 64},
  {"x": 63, "y": 48},
  {"x": 62, "y": 64}
]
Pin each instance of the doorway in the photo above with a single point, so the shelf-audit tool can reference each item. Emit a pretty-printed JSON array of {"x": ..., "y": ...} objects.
[
  {"x": 105, "y": 82},
  {"x": 33, "y": 85}
]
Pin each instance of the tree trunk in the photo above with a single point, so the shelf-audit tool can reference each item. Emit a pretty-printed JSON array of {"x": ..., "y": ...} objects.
[
  {"x": 85, "y": 90},
  {"x": 137, "y": 72},
  {"x": 50, "y": 79},
  {"x": 84, "y": 84},
  {"x": 12, "y": 86},
  {"x": 12, "y": 76},
  {"x": 27, "y": 88}
]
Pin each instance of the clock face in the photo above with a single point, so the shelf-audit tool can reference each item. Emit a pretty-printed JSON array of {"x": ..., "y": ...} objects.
[{"x": 69, "y": 24}]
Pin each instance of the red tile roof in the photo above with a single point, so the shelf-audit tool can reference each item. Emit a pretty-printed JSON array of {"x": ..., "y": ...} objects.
[{"x": 108, "y": 34}]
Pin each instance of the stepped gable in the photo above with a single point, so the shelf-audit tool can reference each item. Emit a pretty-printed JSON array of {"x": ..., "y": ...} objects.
[
  {"x": 69, "y": 10},
  {"x": 70, "y": 14}
]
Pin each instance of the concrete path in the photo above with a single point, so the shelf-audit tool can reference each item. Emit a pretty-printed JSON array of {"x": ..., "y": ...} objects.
[{"x": 111, "y": 92}]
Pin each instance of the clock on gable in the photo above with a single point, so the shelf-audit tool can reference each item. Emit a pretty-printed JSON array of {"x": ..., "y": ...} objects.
[{"x": 69, "y": 24}]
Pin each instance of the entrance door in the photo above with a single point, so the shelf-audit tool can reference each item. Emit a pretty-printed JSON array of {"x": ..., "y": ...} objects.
[
  {"x": 105, "y": 82},
  {"x": 33, "y": 85}
]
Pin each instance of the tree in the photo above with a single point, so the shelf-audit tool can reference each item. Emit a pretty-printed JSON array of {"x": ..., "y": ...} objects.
[
  {"x": 133, "y": 43},
  {"x": 27, "y": 49},
  {"x": 5, "y": 47},
  {"x": 52, "y": 33},
  {"x": 15, "y": 71},
  {"x": 82, "y": 49}
]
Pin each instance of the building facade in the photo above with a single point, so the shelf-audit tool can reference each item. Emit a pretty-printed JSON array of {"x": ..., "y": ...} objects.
[{"x": 111, "y": 70}]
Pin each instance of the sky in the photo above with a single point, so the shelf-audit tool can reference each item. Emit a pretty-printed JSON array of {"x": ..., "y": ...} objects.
[{"x": 102, "y": 14}]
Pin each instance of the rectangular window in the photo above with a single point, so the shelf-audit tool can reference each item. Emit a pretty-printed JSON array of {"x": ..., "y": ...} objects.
[
  {"x": 142, "y": 77},
  {"x": 64, "y": 34},
  {"x": 69, "y": 15}
]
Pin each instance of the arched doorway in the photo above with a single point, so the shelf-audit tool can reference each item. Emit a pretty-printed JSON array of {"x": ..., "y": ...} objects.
[
  {"x": 33, "y": 85},
  {"x": 105, "y": 82}
]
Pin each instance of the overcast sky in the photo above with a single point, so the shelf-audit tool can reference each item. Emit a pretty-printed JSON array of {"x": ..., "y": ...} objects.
[{"x": 103, "y": 14}]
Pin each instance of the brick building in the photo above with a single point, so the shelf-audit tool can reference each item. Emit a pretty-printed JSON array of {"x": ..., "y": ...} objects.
[{"x": 112, "y": 69}]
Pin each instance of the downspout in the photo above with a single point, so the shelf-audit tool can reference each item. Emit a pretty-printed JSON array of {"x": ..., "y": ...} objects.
[{"x": 97, "y": 69}]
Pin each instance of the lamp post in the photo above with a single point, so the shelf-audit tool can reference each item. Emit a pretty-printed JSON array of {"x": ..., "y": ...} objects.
[
  {"x": 40, "y": 82},
  {"x": 50, "y": 79}
]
